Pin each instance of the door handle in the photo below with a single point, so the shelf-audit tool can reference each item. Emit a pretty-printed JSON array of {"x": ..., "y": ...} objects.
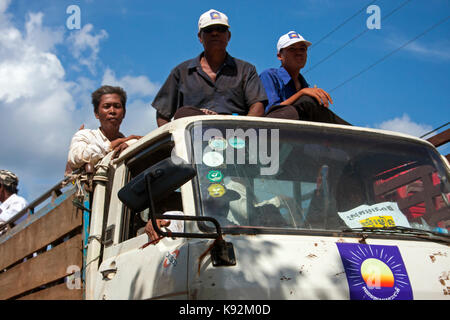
[{"x": 108, "y": 274}]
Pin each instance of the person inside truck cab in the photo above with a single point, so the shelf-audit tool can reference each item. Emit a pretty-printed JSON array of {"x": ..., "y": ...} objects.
[
  {"x": 218, "y": 207},
  {"x": 289, "y": 95},
  {"x": 11, "y": 203},
  {"x": 89, "y": 146},
  {"x": 213, "y": 82}
]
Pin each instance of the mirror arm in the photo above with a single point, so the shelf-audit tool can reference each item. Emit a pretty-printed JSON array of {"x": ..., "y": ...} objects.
[{"x": 217, "y": 235}]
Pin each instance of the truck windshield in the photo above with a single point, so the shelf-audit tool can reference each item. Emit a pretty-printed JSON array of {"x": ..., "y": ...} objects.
[{"x": 282, "y": 176}]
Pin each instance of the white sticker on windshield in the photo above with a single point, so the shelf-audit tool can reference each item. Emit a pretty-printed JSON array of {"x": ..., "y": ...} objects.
[
  {"x": 380, "y": 215},
  {"x": 213, "y": 159}
]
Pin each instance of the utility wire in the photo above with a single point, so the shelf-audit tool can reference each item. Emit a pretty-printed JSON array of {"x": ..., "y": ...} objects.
[
  {"x": 354, "y": 38},
  {"x": 391, "y": 53},
  {"x": 339, "y": 26},
  {"x": 434, "y": 130}
]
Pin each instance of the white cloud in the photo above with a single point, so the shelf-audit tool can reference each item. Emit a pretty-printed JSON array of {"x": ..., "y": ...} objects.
[
  {"x": 441, "y": 52},
  {"x": 140, "y": 86},
  {"x": 4, "y": 4},
  {"x": 37, "y": 104},
  {"x": 40, "y": 37},
  {"x": 85, "y": 46},
  {"x": 139, "y": 111},
  {"x": 436, "y": 51},
  {"x": 41, "y": 109},
  {"x": 29, "y": 72},
  {"x": 404, "y": 124},
  {"x": 140, "y": 118}
]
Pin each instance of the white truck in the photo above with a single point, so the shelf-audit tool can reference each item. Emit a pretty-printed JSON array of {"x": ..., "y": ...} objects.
[{"x": 260, "y": 209}]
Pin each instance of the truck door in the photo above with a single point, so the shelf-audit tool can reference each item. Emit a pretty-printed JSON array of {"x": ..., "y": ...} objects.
[{"x": 131, "y": 269}]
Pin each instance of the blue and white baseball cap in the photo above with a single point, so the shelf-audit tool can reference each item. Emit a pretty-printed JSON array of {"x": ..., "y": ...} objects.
[
  {"x": 290, "y": 38},
  {"x": 211, "y": 17}
]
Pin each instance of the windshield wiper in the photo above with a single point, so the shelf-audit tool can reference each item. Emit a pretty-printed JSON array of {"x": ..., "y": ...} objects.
[{"x": 421, "y": 233}]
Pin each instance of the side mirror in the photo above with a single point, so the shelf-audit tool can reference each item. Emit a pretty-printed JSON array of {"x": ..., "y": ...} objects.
[
  {"x": 165, "y": 177},
  {"x": 151, "y": 184}
]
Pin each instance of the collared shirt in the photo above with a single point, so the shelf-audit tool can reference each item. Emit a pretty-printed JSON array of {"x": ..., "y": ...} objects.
[
  {"x": 13, "y": 205},
  {"x": 236, "y": 88},
  {"x": 279, "y": 86},
  {"x": 89, "y": 146}
]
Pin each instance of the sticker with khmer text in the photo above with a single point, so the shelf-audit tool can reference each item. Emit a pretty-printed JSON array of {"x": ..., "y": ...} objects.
[
  {"x": 379, "y": 215},
  {"x": 375, "y": 272}
]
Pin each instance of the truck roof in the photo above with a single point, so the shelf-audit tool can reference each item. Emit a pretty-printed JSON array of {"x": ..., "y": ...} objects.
[{"x": 182, "y": 123}]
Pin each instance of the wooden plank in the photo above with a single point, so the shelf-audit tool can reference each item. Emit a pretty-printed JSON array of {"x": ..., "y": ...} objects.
[
  {"x": 440, "y": 139},
  {"x": 55, "y": 224},
  {"x": 425, "y": 196},
  {"x": 42, "y": 269},
  {"x": 420, "y": 173},
  {"x": 58, "y": 292},
  {"x": 36, "y": 216}
]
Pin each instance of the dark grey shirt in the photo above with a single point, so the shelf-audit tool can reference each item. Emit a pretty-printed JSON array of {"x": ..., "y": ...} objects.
[{"x": 236, "y": 88}]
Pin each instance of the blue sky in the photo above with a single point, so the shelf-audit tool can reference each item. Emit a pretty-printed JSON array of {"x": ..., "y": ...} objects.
[{"x": 47, "y": 71}]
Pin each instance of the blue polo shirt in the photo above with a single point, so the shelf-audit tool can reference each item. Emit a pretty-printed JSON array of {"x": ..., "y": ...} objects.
[{"x": 279, "y": 85}]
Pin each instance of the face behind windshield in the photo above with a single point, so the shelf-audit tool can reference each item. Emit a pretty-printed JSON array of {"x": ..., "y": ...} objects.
[{"x": 304, "y": 178}]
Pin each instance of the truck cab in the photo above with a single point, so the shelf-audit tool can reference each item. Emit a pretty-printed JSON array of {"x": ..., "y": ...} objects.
[{"x": 301, "y": 210}]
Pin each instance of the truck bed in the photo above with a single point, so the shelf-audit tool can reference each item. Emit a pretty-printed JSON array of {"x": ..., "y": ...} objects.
[{"x": 39, "y": 255}]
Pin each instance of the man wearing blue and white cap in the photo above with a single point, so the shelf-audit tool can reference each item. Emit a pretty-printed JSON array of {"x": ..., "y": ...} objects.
[
  {"x": 212, "y": 83},
  {"x": 288, "y": 93}
]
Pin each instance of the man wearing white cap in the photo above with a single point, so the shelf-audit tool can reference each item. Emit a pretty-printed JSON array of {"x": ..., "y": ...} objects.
[
  {"x": 11, "y": 203},
  {"x": 288, "y": 93},
  {"x": 212, "y": 83}
]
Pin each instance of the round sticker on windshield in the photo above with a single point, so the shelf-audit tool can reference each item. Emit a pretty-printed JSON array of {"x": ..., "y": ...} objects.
[
  {"x": 218, "y": 143},
  {"x": 216, "y": 190},
  {"x": 236, "y": 142},
  {"x": 212, "y": 159},
  {"x": 215, "y": 176}
]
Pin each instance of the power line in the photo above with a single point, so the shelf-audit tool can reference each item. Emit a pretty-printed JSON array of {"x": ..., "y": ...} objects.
[
  {"x": 435, "y": 130},
  {"x": 354, "y": 38},
  {"x": 339, "y": 26},
  {"x": 391, "y": 53}
]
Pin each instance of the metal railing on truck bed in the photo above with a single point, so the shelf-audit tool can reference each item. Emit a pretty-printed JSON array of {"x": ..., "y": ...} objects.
[
  {"x": 441, "y": 139},
  {"x": 39, "y": 253}
]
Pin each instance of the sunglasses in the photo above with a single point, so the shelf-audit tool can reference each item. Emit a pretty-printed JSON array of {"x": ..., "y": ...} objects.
[{"x": 218, "y": 28}]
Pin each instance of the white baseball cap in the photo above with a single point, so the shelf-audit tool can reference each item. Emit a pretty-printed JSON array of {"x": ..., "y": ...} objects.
[
  {"x": 290, "y": 38},
  {"x": 212, "y": 17}
]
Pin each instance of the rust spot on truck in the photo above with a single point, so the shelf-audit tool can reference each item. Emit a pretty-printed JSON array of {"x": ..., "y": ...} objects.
[
  {"x": 311, "y": 256},
  {"x": 440, "y": 254},
  {"x": 301, "y": 269},
  {"x": 443, "y": 278},
  {"x": 202, "y": 256}
]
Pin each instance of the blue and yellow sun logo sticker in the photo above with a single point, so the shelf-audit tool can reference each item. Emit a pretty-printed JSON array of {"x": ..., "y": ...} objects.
[
  {"x": 375, "y": 272},
  {"x": 293, "y": 35},
  {"x": 215, "y": 15}
]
